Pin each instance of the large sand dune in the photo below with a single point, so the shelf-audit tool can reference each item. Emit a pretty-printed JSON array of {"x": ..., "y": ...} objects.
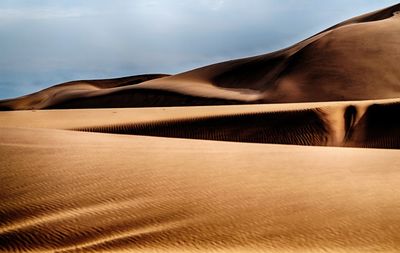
[
  {"x": 109, "y": 179},
  {"x": 354, "y": 60}
]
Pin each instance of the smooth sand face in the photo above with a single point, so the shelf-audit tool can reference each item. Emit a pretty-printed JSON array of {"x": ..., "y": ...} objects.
[{"x": 64, "y": 190}]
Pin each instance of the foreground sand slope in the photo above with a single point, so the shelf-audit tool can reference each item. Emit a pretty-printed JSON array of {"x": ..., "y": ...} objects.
[
  {"x": 354, "y": 60},
  {"x": 64, "y": 190}
]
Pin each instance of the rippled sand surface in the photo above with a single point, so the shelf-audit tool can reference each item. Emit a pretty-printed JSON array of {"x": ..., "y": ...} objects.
[
  {"x": 68, "y": 191},
  {"x": 82, "y": 180}
]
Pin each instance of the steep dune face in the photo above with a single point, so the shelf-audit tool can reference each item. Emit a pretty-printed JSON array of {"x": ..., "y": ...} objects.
[
  {"x": 354, "y": 60},
  {"x": 359, "y": 61},
  {"x": 378, "y": 127},
  {"x": 338, "y": 125},
  {"x": 300, "y": 127}
]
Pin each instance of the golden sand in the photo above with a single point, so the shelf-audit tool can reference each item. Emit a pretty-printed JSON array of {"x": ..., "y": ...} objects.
[{"x": 64, "y": 190}]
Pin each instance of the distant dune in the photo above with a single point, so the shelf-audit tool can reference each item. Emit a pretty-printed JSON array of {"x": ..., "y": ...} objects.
[
  {"x": 354, "y": 60},
  {"x": 73, "y": 90}
]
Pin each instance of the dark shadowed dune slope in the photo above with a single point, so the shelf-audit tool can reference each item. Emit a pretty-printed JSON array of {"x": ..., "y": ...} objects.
[
  {"x": 305, "y": 127},
  {"x": 354, "y": 60},
  {"x": 378, "y": 127}
]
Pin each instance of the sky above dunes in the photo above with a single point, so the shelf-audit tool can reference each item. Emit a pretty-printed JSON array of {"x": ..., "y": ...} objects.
[{"x": 45, "y": 42}]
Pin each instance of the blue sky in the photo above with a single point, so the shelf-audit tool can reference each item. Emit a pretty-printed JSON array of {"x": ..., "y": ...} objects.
[{"x": 45, "y": 42}]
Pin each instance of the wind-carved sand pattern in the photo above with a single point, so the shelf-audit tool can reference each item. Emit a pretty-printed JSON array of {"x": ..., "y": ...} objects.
[
  {"x": 378, "y": 127},
  {"x": 306, "y": 127},
  {"x": 114, "y": 180},
  {"x": 89, "y": 191}
]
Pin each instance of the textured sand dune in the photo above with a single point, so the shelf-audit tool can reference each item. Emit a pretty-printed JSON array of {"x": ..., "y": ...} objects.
[
  {"x": 371, "y": 123},
  {"x": 305, "y": 127},
  {"x": 107, "y": 179},
  {"x": 89, "y": 191},
  {"x": 378, "y": 127},
  {"x": 66, "y": 119},
  {"x": 354, "y": 60}
]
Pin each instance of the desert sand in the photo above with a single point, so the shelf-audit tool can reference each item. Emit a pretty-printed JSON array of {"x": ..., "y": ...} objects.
[
  {"x": 368, "y": 123},
  {"x": 64, "y": 190},
  {"x": 291, "y": 151}
]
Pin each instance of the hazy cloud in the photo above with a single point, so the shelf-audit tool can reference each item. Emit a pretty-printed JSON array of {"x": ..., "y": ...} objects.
[{"x": 40, "y": 13}]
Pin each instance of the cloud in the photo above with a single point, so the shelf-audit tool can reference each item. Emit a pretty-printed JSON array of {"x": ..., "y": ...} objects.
[
  {"x": 214, "y": 5},
  {"x": 41, "y": 13}
]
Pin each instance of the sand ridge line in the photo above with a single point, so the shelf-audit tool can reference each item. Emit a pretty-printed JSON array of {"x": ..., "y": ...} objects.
[
  {"x": 73, "y": 212},
  {"x": 130, "y": 233}
]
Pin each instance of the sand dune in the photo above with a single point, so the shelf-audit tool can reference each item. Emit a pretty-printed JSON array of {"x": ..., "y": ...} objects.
[
  {"x": 87, "y": 191},
  {"x": 378, "y": 127},
  {"x": 371, "y": 123},
  {"x": 72, "y": 90},
  {"x": 109, "y": 179},
  {"x": 354, "y": 60}
]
